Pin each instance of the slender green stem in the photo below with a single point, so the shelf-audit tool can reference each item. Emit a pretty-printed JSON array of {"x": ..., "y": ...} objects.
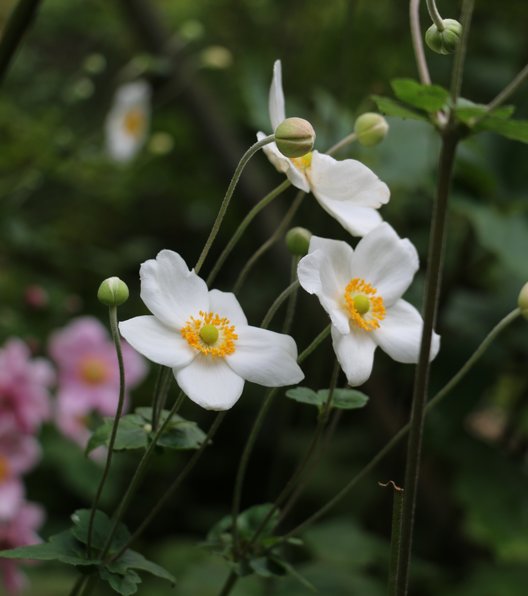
[
  {"x": 421, "y": 384},
  {"x": 292, "y": 302},
  {"x": 460, "y": 56},
  {"x": 417, "y": 42},
  {"x": 342, "y": 143},
  {"x": 175, "y": 484},
  {"x": 281, "y": 298},
  {"x": 231, "y": 580},
  {"x": 112, "y": 312},
  {"x": 138, "y": 474},
  {"x": 16, "y": 27},
  {"x": 227, "y": 198},
  {"x": 397, "y": 509},
  {"x": 160, "y": 395},
  {"x": 279, "y": 232},
  {"x": 90, "y": 585},
  {"x": 248, "y": 449},
  {"x": 509, "y": 90},
  {"x": 243, "y": 226},
  {"x": 78, "y": 585},
  {"x": 470, "y": 363},
  {"x": 435, "y": 15}
]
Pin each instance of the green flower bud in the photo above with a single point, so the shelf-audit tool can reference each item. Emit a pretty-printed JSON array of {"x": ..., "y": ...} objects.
[
  {"x": 371, "y": 129},
  {"x": 298, "y": 241},
  {"x": 113, "y": 292},
  {"x": 522, "y": 301},
  {"x": 446, "y": 41},
  {"x": 295, "y": 137}
]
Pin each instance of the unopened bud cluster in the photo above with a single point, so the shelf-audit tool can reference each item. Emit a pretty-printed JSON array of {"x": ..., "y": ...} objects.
[
  {"x": 295, "y": 137},
  {"x": 371, "y": 129},
  {"x": 112, "y": 292},
  {"x": 445, "y": 41}
]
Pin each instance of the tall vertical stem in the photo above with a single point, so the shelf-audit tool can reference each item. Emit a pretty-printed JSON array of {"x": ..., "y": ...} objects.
[{"x": 433, "y": 281}]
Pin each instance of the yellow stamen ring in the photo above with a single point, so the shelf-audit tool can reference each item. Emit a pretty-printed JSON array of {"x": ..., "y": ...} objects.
[
  {"x": 210, "y": 334},
  {"x": 365, "y": 308},
  {"x": 304, "y": 162}
]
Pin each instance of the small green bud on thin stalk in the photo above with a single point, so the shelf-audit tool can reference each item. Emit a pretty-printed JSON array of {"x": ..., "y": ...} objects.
[
  {"x": 371, "y": 129},
  {"x": 446, "y": 41},
  {"x": 522, "y": 301},
  {"x": 295, "y": 137},
  {"x": 298, "y": 241},
  {"x": 113, "y": 292}
]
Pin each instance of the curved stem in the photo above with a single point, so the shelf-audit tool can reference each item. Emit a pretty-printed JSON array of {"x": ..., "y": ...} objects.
[
  {"x": 138, "y": 474},
  {"x": 460, "y": 56},
  {"x": 78, "y": 585},
  {"x": 243, "y": 226},
  {"x": 291, "y": 289},
  {"x": 417, "y": 42},
  {"x": 475, "y": 357},
  {"x": 421, "y": 384},
  {"x": 231, "y": 580},
  {"x": 270, "y": 242},
  {"x": 178, "y": 480},
  {"x": 509, "y": 90},
  {"x": 227, "y": 198},
  {"x": 112, "y": 312},
  {"x": 342, "y": 143},
  {"x": 16, "y": 27},
  {"x": 435, "y": 15}
]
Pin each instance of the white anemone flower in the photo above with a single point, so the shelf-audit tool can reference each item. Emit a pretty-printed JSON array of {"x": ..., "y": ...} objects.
[
  {"x": 347, "y": 190},
  {"x": 361, "y": 291},
  {"x": 204, "y": 336},
  {"x": 127, "y": 123}
]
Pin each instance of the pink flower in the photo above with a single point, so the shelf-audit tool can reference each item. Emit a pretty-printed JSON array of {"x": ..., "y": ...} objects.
[
  {"x": 24, "y": 387},
  {"x": 89, "y": 375},
  {"x": 19, "y": 530}
]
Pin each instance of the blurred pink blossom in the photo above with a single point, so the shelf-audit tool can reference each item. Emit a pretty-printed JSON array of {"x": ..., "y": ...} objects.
[
  {"x": 88, "y": 374},
  {"x": 19, "y": 530},
  {"x": 24, "y": 387}
]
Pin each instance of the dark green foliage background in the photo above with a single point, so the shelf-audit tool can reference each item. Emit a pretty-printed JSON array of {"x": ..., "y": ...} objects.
[{"x": 69, "y": 218}]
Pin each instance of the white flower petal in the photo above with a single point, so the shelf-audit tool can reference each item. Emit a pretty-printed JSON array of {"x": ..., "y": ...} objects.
[
  {"x": 265, "y": 357},
  {"x": 277, "y": 111},
  {"x": 284, "y": 165},
  {"x": 326, "y": 271},
  {"x": 157, "y": 342},
  {"x": 226, "y": 305},
  {"x": 386, "y": 261},
  {"x": 171, "y": 292},
  {"x": 400, "y": 333},
  {"x": 358, "y": 221},
  {"x": 210, "y": 383},
  {"x": 355, "y": 353},
  {"x": 346, "y": 180}
]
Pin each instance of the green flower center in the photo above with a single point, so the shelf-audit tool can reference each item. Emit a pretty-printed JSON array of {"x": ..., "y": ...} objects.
[
  {"x": 362, "y": 303},
  {"x": 209, "y": 334}
]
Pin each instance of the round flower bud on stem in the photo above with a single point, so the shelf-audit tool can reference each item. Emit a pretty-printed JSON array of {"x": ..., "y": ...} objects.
[
  {"x": 371, "y": 129},
  {"x": 298, "y": 241},
  {"x": 294, "y": 137},
  {"x": 444, "y": 41},
  {"x": 113, "y": 292},
  {"x": 522, "y": 301}
]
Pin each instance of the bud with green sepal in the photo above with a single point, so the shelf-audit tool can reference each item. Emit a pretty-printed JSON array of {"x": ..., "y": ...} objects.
[
  {"x": 522, "y": 301},
  {"x": 298, "y": 241},
  {"x": 444, "y": 41},
  {"x": 112, "y": 292},
  {"x": 370, "y": 129},
  {"x": 295, "y": 137}
]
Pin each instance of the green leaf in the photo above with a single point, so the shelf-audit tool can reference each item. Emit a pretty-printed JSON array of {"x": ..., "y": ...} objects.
[
  {"x": 430, "y": 98},
  {"x": 133, "y": 560},
  {"x": 304, "y": 395},
  {"x": 61, "y": 547},
  {"x": 135, "y": 432},
  {"x": 344, "y": 399},
  {"x": 126, "y": 584},
  {"x": 516, "y": 130},
  {"x": 390, "y": 107},
  {"x": 102, "y": 527},
  {"x": 466, "y": 111}
]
